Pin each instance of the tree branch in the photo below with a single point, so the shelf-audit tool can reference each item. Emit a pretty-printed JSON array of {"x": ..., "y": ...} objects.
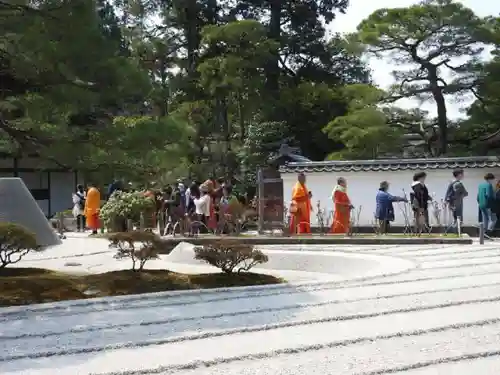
[{"x": 28, "y": 9}]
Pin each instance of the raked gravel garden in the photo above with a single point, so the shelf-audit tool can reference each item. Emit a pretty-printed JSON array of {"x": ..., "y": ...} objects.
[{"x": 345, "y": 309}]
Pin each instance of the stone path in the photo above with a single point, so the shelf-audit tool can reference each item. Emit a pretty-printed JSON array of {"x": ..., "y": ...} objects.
[{"x": 440, "y": 316}]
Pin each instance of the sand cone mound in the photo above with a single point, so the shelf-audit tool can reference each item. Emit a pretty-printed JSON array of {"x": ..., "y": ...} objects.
[{"x": 18, "y": 206}]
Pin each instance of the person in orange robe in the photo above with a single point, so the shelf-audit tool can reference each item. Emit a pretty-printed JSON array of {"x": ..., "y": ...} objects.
[
  {"x": 343, "y": 206},
  {"x": 300, "y": 207},
  {"x": 92, "y": 208}
]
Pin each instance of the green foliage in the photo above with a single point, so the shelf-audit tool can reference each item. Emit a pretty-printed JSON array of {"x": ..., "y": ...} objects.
[
  {"x": 309, "y": 105},
  {"x": 120, "y": 96},
  {"x": 15, "y": 243},
  {"x": 229, "y": 256},
  {"x": 262, "y": 142},
  {"x": 151, "y": 91},
  {"x": 484, "y": 113},
  {"x": 125, "y": 205},
  {"x": 486, "y": 110},
  {"x": 242, "y": 48},
  {"x": 429, "y": 37},
  {"x": 63, "y": 74},
  {"x": 365, "y": 130},
  {"x": 137, "y": 246},
  {"x": 139, "y": 148}
]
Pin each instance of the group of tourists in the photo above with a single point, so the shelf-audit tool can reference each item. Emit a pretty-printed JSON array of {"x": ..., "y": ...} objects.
[
  {"x": 86, "y": 207},
  {"x": 202, "y": 202},
  {"x": 488, "y": 199},
  {"x": 211, "y": 200}
]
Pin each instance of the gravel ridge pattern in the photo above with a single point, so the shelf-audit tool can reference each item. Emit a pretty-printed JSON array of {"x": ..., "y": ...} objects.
[{"x": 441, "y": 316}]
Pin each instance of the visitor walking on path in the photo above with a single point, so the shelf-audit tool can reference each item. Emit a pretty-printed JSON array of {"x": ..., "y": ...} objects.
[
  {"x": 420, "y": 198},
  {"x": 384, "y": 211},
  {"x": 343, "y": 207},
  {"x": 92, "y": 208},
  {"x": 79, "y": 208},
  {"x": 486, "y": 203},
  {"x": 300, "y": 207},
  {"x": 203, "y": 205},
  {"x": 454, "y": 198}
]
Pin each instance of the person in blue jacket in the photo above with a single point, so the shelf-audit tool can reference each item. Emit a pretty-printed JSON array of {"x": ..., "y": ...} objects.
[
  {"x": 384, "y": 211},
  {"x": 486, "y": 202}
]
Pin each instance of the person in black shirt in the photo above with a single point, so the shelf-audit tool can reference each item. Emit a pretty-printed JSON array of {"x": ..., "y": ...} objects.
[{"x": 419, "y": 198}]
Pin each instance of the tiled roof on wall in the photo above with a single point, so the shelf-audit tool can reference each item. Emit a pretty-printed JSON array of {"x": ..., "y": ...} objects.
[{"x": 391, "y": 164}]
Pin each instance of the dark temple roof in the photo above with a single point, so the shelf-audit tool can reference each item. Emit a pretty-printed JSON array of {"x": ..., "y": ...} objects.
[
  {"x": 392, "y": 164},
  {"x": 288, "y": 154}
]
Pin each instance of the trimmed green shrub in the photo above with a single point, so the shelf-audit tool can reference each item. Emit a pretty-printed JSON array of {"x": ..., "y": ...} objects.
[
  {"x": 138, "y": 246},
  {"x": 124, "y": 206},
  {"x": 15, "y": 242},
  {"x": 230, "y": 255}
]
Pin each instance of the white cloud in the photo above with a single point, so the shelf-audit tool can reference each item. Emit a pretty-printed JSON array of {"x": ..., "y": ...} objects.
[{"x": 361, "y": 9}]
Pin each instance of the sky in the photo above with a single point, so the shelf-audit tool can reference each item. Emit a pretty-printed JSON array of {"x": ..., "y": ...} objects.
[{"x": 381, "y": 70}]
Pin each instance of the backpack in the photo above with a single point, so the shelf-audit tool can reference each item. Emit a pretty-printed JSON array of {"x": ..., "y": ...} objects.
[
  {"x": 450, "y": 194},
  {"x": 81, "y": 201},
  {"x": 414, "y": 203}
]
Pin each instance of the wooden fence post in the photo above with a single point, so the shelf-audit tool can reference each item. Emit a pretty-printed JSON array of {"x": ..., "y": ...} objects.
[
  {"x": 60, "y": 223},
  {"x": 260, "y": 200},
  {"x": 142, "y": 222}
]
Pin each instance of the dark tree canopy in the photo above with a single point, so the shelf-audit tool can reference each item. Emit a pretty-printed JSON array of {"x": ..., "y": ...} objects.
[
  {"x": 156, "y": 89},
  {"x": 437, "y": 44}
]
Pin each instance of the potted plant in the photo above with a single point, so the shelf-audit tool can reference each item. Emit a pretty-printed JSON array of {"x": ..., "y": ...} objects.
[{"x": 124, "y": 206}]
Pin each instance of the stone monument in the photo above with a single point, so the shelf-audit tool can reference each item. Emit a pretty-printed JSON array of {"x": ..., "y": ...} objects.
[{"x": 18, "y": 206}]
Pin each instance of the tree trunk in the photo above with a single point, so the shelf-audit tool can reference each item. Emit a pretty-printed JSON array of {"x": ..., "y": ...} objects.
[
  {"x": 241, "y": 117},
  {"x": 272, "y": 71},
  {"x": 437, "y": 94},
  {"x": 162, "y": 103},
  {"x": 192, "y": 36}
]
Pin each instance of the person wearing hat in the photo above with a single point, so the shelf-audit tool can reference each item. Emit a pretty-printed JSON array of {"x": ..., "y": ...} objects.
[
  {"x": 212, "y": 192},
  {"x": 202, "y": 204},
  {"x": 384, "y": 211}
]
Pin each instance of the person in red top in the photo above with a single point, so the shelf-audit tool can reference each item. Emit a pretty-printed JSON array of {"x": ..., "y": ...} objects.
[{"x": 211, "y": 189}]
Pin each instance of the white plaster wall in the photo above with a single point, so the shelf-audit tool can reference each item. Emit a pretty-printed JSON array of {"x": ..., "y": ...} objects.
[
  {"x": 62, "y": 186},
  {"x": 363, "y": 187}
]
